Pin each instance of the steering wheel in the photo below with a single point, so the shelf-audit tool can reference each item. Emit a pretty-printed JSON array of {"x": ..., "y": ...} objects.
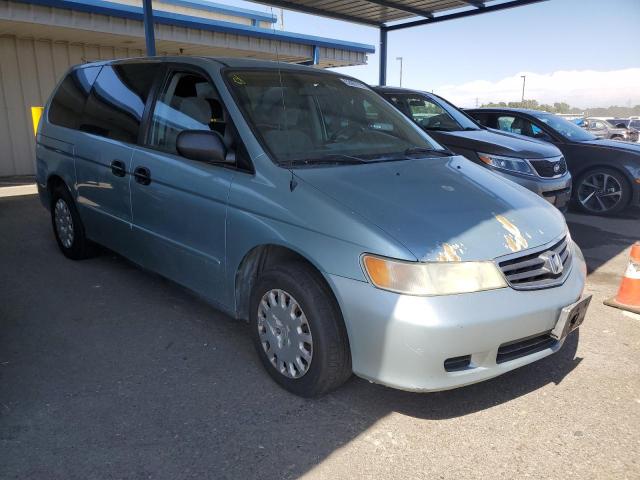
[
  {"x": 434, "y": 122},
  {"x": 346, "y": 133}
]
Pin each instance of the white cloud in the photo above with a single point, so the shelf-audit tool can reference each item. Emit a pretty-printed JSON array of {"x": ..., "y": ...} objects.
[{"x": 579, "y": 88}]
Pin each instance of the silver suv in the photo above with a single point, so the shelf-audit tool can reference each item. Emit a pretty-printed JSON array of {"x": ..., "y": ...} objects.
[{"x": 603, "y": 129}]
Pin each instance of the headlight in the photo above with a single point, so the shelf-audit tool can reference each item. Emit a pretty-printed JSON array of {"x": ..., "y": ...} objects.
[
  {"x": 510, "y": 164},
  {"x": 434, "y": 278}
]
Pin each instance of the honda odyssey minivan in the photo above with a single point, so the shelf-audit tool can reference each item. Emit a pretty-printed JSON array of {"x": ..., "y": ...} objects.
[{"x": 300, "y": 201}]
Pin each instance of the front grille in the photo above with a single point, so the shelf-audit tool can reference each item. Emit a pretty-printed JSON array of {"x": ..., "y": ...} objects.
[
  {"x": 551, "y": 167},
  {"x": 520, "y": 348},
  {"x": 538, "y": 269}
]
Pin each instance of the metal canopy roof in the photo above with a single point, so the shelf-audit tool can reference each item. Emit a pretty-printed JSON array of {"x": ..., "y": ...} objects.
[
  {"x": 379, "y": 13},
  {"x": 390, "y": 15}
]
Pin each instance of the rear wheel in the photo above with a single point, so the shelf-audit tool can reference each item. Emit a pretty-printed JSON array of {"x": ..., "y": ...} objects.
[
  {"x": 602, "y": 191},
  {"x": 67, "y": 226},
  {"x": 298, "y": 330}
]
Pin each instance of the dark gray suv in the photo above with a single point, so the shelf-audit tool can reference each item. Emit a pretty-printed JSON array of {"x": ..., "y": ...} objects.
[{"x": 536, "y": 165}]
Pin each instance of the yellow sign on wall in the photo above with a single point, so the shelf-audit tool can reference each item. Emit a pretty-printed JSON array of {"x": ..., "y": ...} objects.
[{"x": 36, "y": 114}]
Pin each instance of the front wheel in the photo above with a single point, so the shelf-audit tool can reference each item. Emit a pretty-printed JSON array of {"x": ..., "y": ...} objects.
[
  {"x": 298, "y": 330},
  {"x": 602, "y": 191}
]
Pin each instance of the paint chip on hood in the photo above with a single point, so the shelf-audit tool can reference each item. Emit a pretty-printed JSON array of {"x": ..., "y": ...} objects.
[{"x": 514, "y": 239}]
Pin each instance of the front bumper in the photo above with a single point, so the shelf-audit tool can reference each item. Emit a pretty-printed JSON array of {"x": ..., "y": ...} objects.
[
  {"x": 556, "y": 191},
  {"x": 403, "y": 341}
]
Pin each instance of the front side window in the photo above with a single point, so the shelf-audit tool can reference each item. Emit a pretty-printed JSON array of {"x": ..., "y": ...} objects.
[
  {"x": 317, "y": 117},
  {"x": 71, "y": 96},
  {"x": 429, "y": 115},
  {"x": 433, "y": 114},
  {"x": 115, "y": 107},
  {"x": 505, "y": 124},
  {"x": 188, "y": 101},
  {"x": 521, "y": 126}
]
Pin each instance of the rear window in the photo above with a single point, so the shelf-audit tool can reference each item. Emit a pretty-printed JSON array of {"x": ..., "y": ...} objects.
[
  {"x": 68, "y": 101},
  {"x": 116, "y": 103}
]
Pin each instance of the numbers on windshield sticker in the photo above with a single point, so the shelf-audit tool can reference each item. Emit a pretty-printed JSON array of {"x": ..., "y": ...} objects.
[{"x": 238, "y": 80}]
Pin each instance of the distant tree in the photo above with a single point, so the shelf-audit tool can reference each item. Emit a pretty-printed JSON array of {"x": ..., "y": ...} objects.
[
  {"x": 561, "y": 107},
  {"x": 613, "y": 111}
]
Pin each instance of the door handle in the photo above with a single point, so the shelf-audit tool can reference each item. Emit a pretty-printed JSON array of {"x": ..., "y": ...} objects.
[
  {"x": 142, "y": 175},
  {"x": 118, "y": 168}
]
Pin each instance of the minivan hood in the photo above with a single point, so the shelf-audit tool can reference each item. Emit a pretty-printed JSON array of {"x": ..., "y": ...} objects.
[
  {"x": 442, "y": 208},
  {"x": 496, "y": 142}
]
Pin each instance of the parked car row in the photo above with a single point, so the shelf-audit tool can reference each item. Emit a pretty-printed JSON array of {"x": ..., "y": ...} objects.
[
  {"x": 606, "y": 172},
  {"x": 538, "y": 150},
  {"x": 612, "y": 129},
  {"x": 624, "y": 129},
  {"x": 301, "y": 201}
]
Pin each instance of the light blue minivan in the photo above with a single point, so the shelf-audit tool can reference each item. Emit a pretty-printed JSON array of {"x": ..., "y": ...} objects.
[{"x": 301, "y": 201}]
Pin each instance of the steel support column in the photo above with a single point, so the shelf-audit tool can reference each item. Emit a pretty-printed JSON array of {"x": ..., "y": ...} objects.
[
  {"x": 383, "y": 56},
  {"x": 149, "y": 35}
]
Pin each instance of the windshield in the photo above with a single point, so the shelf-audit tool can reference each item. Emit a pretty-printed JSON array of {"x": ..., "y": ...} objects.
[
  {"x": 568, "y": 130},
  {"x": 324, "y": 118}
]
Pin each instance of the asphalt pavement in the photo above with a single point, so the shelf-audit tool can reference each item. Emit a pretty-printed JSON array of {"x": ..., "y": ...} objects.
[{"x": 108, "y": 372}]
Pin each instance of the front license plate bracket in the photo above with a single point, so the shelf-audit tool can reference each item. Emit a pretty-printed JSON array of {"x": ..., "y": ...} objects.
[{"x": 571, "y": 317}]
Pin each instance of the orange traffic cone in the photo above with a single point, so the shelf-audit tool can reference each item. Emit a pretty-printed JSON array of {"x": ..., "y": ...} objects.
[{"x": 628, "y": 297}]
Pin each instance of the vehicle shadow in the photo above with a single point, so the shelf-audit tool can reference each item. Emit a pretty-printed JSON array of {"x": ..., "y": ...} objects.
[{"x": 603, "y": 238}]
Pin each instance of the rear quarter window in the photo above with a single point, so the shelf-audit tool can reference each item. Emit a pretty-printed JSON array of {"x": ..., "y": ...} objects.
[{"x": 70, "y": 97}]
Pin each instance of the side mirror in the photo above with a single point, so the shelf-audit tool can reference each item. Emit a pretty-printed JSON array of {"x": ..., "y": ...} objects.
[{"x": 202, "y": 146}]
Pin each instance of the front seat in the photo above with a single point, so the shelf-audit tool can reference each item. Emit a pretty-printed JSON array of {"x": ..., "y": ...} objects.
[{"x": 198, "y": 109}]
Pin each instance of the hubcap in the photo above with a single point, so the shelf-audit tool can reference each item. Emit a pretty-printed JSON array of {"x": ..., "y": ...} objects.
[
  {"x": 64, "y": 223},
  {"x": 600, "y": 192},
  {"x": 285, "y": 334}
]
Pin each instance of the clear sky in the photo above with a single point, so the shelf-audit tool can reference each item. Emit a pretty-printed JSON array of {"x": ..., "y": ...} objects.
[{"x": 581, "y": 51}]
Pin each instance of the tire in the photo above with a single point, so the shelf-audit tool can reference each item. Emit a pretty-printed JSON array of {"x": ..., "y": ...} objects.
[
  {"x": 598, "y": 188},
  {"x": 316, "y": 326},
  {"x": 67, "y": 226}
]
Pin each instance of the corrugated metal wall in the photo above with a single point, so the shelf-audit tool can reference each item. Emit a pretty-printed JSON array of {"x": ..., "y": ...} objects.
[{"x": 29, "y": 70}]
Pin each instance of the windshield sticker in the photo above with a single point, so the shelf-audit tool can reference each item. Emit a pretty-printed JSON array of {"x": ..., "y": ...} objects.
[
  {"x": 238, "y": 80},
  {"x": 353, "y": 83}
]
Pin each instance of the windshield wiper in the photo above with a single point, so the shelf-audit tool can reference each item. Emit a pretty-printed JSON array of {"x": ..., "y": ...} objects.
[
  {"x": 430, "y": 151},
  {"x": 330, "y": 159}
]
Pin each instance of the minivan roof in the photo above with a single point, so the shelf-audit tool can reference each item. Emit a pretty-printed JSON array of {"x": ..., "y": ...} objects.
[{"x": 234, "y": 62}]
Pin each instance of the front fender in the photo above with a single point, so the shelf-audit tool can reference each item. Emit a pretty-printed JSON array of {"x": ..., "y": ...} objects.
[{"x": 276, "y": 211}]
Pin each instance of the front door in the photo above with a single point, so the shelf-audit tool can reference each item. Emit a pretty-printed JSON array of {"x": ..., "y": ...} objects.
[{"x": 179, "y": 205}]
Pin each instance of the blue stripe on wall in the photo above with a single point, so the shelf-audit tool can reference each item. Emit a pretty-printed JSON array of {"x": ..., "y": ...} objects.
[{"x": 188, "y": 21}]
